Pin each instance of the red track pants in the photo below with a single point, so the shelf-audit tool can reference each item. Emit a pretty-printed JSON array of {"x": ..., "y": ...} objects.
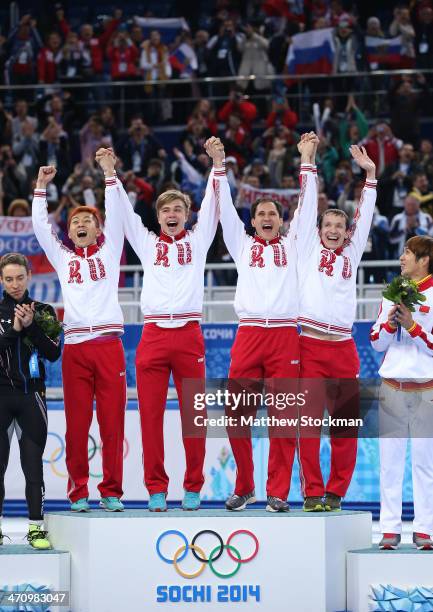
[
  {"x": 332, "y": 360},
  {"x": 95, "y": 368},
  {"x": 179, "y": 350},
  {"x": 257, "y": 353}
]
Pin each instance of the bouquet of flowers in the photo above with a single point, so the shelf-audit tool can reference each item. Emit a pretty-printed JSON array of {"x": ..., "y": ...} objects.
[
  {"x": 404, "y": 291},
  {"x": 48, "y": 324}
]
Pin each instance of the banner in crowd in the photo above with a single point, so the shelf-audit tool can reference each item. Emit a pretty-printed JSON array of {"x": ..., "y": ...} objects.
[
  {"x": 386, "y": 51},
  {"x": 168, "y": 28},
  {"x": 247, "y": 195},
  {"x": 311, "y": 52},
  {"x": 17, "y": 236}
]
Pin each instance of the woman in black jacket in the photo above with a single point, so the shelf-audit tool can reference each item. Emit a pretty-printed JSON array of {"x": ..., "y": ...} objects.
[{"x": 23, "y": 345}]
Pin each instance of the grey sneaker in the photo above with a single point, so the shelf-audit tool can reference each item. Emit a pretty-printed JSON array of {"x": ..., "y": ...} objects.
[
  {"x": 332, "y": 502},
  {"x": 422, "y": 541},
  {"x": 275, "y": 504},
  {"x": 313, "y": 504},
  {"x": 390, "y": 541},
  {"x": 240, "y": 502}
]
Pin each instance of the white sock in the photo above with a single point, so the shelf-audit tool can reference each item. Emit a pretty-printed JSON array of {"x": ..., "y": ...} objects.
[{"x": 37, "y": 523}]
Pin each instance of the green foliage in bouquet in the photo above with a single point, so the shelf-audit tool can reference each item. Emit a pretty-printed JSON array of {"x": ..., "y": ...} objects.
[
  {"x": 402, "y": 290},
  {"x": 48, "y": 324}
]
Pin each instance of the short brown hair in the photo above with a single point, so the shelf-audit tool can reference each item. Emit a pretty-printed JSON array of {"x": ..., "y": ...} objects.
[
  {"x": 257, "y": 203},
  {"x": 15, "y": 259},
  {"x": 334, "y": 211},
  {"x": 170, "y": 196},
  {"x": 422, "y": 246},
  {"x": 86, "y": 209}
]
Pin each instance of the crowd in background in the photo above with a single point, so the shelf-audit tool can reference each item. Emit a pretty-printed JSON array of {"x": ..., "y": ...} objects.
[{"x": 64, "y": 126}]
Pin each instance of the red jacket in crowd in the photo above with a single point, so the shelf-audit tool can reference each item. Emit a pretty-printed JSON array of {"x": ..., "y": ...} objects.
[
  {"x": 247, "y": 111},
  {"x": 47, "y": 68},
  {"x": 123, "y": 61},
  {"x": 288, "y": 118}
]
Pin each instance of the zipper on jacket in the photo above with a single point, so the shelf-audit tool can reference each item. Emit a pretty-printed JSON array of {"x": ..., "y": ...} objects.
[{"x": 19, "y": 365}]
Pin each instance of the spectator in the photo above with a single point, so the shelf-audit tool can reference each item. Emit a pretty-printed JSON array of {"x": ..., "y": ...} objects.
[
  {"x": 348, "y": 54},
  {"x": 108, "y": 121},
  {"x": 14, "y": 177},
  {"x": 22, "y": 48},
  {"x": 47, "y": 67},
  {"x": 136, "y": 35},
  {"x": 225, "y": 53},
  {"x": 25, "y": 148},
  {"x": 63, "y": 110},
  {"x": 406, "y": 106},
  {"x": 5, "y": 125},
  {"x": 382, "y": 146},
  {"x": 200, "y": 46},
  {"x": 205, "y": 111},
  {"x": 196, "y": 134},
  {"x": 155, "y": 175},
  {"x": 236, "y": 140},
  {"x": 91, "y": 51},
  {"x": 19, "y": 208},
  {"x": 378, "y": 245},
  {"x": 281, "y": 114},
  {"x": 424, "y": 36},
  {"x": 402, "y": 26},
  {"x": 353, "y": 127},
  {"x": 139, "y": 147},
  {"x": 411, "y": 222},
  {"x": 154, "y": 60},
  {"x": 396, "y": 182},
  {"x": 240, "y": 106},
  {"x": 21, "y": 118},
  {"x": 259, "y": 170},
  {"x": 426, "y": 157},
  {"x": 254, "y": 58},
  {"x": 54, "y": 151},
  {"x": 422, "y": 192},
  {"x": 92, "y": 137},
  {"x": 70, "y": 60},
  {"x": 123, "y": 56}
]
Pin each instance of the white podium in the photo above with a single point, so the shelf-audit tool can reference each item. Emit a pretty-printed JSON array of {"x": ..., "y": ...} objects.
[
  {"x": 137, "y": 560},
  {"x": 387, "y": 580},
  {"x": 26, "y": 570}
]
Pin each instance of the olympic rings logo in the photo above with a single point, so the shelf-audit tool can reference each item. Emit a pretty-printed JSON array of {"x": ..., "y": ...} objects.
[
  {"x": 93, "y": 448},
  {"x": 200, "y": 555}
]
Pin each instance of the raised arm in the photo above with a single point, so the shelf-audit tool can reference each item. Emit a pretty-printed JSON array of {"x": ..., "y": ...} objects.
[
  {"x": 304, "y": 223},
  {"x": 208, "y": 216},
  {"x": 361, "y": 222},
  {"x": 383, "y": 331},
  {"x": 113, "y": 226},
  {"x": 44, "y": 231},
  {"x": 233, "y": 228},
  {"x": 129, "y": 223}
]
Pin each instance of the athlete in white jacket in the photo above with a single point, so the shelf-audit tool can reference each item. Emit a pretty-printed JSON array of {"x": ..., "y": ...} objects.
[
  {"x": 93, "y": 361},
  {"x": 406, "y": 400}
]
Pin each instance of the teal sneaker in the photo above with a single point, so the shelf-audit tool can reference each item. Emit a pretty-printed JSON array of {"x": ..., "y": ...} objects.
[
  {"x": 81, "y": 505},
  {"x": 111, "y": 504},
  {"x": 157, "y": 502},
  {"x": 191, "y": 501}
]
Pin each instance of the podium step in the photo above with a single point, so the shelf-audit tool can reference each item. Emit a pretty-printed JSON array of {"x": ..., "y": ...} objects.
[
  {"x": 137, "y": 560},
  {"x": 388, "y": 580},
  {"x": 29, "y": 577}
]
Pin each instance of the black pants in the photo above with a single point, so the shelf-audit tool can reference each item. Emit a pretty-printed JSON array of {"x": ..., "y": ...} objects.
[{"x": 27, "y": 414}]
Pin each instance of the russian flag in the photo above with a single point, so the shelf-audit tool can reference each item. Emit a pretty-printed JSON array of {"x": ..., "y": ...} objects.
[
  {"x": 383, "y": 50},
  {"x": 182, "y": 61},
  {"x": 311, "y": 52},
  {"x": 169, "y": 28}
]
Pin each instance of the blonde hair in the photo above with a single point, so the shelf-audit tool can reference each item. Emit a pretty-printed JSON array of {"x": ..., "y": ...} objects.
[{"x": 170, "y": 196}]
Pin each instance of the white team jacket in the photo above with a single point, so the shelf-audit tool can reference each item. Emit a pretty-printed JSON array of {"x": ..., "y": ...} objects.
[
  {"x": 89, "y": 277},
  {"x": 412, "y": 356},
  {"x": 327, "y": 277},
  {"x": 267, "y": 288},
  {"x": 173, "y": 267}
]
